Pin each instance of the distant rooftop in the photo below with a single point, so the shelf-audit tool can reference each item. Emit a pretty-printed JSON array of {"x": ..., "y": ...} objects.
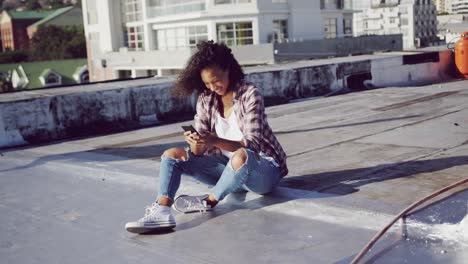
[
  {"x": 66, "y": 68},
  {"x": 53, "y": 15},
  {"x": 29, "y": 14}
]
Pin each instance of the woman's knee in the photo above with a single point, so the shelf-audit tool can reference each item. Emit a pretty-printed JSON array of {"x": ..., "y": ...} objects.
[
  {"x": 176, "y": 153},
  {"x": 239, "y": 158}
]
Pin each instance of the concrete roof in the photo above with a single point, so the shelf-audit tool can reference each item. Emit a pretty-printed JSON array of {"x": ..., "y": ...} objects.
[{"x": 355, "y": 161}]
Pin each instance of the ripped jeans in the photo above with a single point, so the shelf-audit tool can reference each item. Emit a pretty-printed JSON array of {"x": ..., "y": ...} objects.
[{"x": 258, "y": 176}]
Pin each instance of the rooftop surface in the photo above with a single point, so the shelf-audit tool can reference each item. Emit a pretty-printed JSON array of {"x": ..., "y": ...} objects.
[{"x": 355, "y": 161}]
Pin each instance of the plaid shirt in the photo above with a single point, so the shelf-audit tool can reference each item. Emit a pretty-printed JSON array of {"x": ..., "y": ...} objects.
[{"x": 251, "y": 118}]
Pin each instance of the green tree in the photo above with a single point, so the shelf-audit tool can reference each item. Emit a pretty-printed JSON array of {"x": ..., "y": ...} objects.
[
  {"x": 14, "y": 56},
  {"x": 54, "y": 4},
  {"x": 8, "y": 5},
  {"x": 56, "y": 43},
  {"x": 33, "y": 5}
]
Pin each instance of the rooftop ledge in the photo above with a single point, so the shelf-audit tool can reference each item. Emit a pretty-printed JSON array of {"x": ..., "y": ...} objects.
[{"x": 44, "y": 115}]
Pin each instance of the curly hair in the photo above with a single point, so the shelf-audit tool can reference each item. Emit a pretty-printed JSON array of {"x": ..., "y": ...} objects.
[{"x": 209, "y": 54}]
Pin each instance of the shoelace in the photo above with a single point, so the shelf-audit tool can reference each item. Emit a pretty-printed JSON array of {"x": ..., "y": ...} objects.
[
  {"x": 196, "y": 204},
  {"x": 151, "y": 209}
]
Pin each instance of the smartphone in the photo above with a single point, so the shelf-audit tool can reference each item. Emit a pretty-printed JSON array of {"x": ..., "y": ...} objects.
[{"x": 190, "y": 128}]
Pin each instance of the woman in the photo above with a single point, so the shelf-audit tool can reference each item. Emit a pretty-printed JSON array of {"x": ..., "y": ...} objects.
[{"x": 233, "y": 144}]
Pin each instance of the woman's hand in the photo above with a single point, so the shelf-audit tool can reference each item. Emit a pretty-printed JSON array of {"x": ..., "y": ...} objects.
[
  {"x": 197, "y": 146},
  {"x": 209, "y": 139}
]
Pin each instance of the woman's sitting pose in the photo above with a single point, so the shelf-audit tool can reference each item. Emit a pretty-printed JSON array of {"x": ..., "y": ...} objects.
[{"x": 233, "y": 142}]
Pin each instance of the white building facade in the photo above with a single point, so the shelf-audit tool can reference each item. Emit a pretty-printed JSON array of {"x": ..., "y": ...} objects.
[
  {"x": 416, "y": 20},
  {"x": 459, "y": 6},
  {"x": 443, "y": 6},
  {"x": 136, "y": 38}
]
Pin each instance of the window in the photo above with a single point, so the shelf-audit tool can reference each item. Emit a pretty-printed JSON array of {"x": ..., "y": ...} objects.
[
  {"x": 223, "y": 2},
  {"x": 196, "y": 35},
  {"x": 404, "y": 21},
  {"x": 280, "y": 29},
  {"x": 330, "y": 28},
  {"x": 92, "y": 12},
  {"x": 131, "y": 10},
  {"x": 238, "y": 33},
  {"x": 174, "y": 38},
  {"x": 84, "y": 77},
  {"x": 49, "y": 78},
  {"x": 332, "y": 4},
  {"x": 348, "y": 26},
  {"x": 125, "y": 74},
  {"x": 171, "y": 7},
  {"x": 134, "y": 39}
]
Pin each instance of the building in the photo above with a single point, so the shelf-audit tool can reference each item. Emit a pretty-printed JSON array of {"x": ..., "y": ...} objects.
[
  {"x": 31, "y": 75},
  {"x": 18, "y": 27},
  {"x": 138, "y": 38},
  {"x": 459, "y": 6},
  {"x": 443, "y": 6},
  {"x": 416, "y": 20},
  {"x": 67, "y": 16},
  {"x": 13, "y": 27}
]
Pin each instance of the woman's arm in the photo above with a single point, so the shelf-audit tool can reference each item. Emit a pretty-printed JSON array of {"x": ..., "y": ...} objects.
[
  {"x": 253, "y": 119},
  {"x": 202, "y": 124}
]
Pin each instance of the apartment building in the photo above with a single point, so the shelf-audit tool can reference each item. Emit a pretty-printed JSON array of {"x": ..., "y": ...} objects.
[
  {"x": 416, "y": 20},
  {"x": 137, "y": 38},
  {"x": 459, "y": 6},
  {"x": 443, "y": 6}
]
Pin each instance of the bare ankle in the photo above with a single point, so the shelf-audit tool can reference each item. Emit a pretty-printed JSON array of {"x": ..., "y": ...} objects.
[
  {"x": 212, "y": 200},
  {"x": 164, "y": 201}
]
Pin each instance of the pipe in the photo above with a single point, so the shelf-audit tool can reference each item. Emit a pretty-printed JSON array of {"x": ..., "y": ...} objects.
[{"x": 402, "y": 214}]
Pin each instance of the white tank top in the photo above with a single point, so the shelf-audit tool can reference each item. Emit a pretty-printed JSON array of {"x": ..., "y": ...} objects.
[{"x": 228, "y": 128}]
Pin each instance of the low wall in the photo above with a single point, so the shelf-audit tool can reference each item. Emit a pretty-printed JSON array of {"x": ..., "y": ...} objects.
[
  {"x": 319, "y": 48},
  {"x": 44, "y": 115}
]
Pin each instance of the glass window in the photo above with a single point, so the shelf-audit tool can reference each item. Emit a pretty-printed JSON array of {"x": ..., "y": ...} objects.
[
  {"x": 348, "y": 26},
  {"x": 135, "y": 39},
  {"x": 223, "y": 2},
  {"x": 238, "y": 33},
  {"x": 52, "y": 79},
  {"x": 171, "y": 7},
  {"x": 174, "y": 38},
  {"x": 84, "y": 77},
  {"x": 280, "y": 29},
  {"x": 92, "y": 12},
  {"x": 330, "y": 28},
  {"x": 131, "y": 10}
]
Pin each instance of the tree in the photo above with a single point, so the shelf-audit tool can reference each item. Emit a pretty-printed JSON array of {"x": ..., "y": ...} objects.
[
  {"x": 78, "y": 3},
  {"x": 8, "y": 5},
  {"x": 32, "y": 5},
  {"x": 13, "y": 56},
  {"x": 56, "y": 43},
  {"x": 54, "y": 4}
]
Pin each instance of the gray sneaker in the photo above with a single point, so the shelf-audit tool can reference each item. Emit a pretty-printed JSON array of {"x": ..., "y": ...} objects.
[
  {"x": 156, "y": 218},
  {"x": 190, "y": 204}
]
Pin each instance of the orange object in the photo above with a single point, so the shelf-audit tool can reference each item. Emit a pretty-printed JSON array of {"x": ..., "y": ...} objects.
[{"x": 461, "y": 54}]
